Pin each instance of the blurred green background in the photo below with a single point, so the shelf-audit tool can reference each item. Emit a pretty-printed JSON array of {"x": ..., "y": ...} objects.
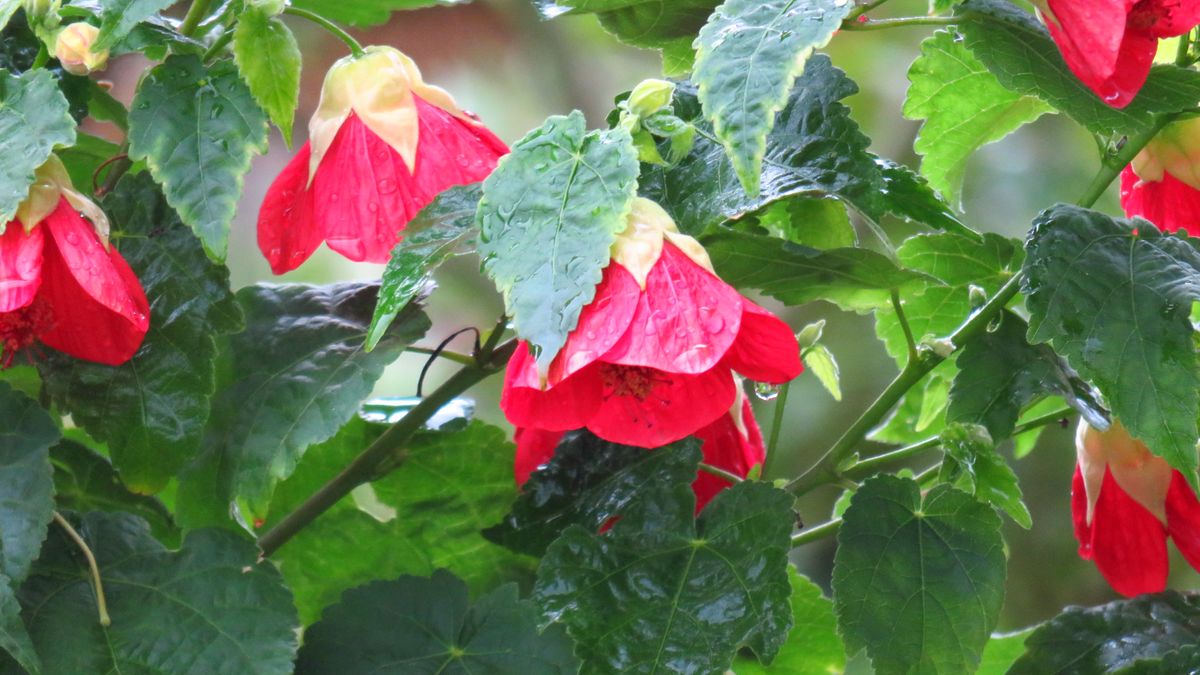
[{"x": 502, "y": 62}]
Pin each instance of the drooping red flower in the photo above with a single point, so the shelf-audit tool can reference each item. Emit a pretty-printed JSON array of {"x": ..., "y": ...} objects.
[
  {"x": 1110, "y": 44},
  {"x": 1125, "y": 502},
  {"x": 382, "y": 144},
  {"x": 62, "y": 284},
  {"x": 733, "y": 442},
  {"x": 652, "y": 357},
  {"x": 1162, "y": 183}
]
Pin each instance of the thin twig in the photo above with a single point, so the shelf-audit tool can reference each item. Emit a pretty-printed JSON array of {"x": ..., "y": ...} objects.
[{"x": 101, "y": 602}]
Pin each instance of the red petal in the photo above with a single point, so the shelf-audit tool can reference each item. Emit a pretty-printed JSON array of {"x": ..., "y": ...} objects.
[
  {"x": 670, "y": 405},
  {"x": 601, "y": 324},
  {"x": 726, "y": 448},
  {"x": 287, "y": 234},
  {"x": 20, "y": 266},
  {"x": 1128, "y": 544},
  {"x": 1170, "y": 204},
  {"x": 1183, "y": 519},
  {"x": 1096, "y": 45},
  {"x": 686, "y": 319},
  {"x": 1083, "y": 531},
  {"x": 1166, "y": 18},
  {"x": 535, "y": 447},
  {"x": 567, "y": 405},
  {"x": 766, "y": 349},
  {"x": 1131, "y": 70},
  {"x": 452, "y": 151},
  {"x": 100, "y": 310}
]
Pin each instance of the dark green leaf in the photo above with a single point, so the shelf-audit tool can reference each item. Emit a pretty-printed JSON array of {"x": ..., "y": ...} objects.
[
  {"x": 853, "y": 278},
  {"x": 207, "y": 608},
  {"x": 654, "y": 24},
  {"x": 85, "y": 157},
  {"x": 918, "y": 581},
  {"x": 1116, "y": 304},
  {"x": 909, "y": 196},
  {"x": 34, "y": 118},
  {"x": 588, "y": 482},
  {"x": 152, "y": 410},
  {"x": 814, "y": 148},
  {"x": 747, "y": 57},
  {"x": 813, "y": 646},
  {"x": 197, "y": 128},
  {"x": 424, "y": 515},
  {"x": 1182, "y": 660},
  {"x": 663, "y": 592},
  {"x": 118, "y": 17},
  {"x": 26, "y": 481},
  {"x": 365, "y": 13},
  {"x": 549, "y": 214},
  {"x": 984, "y": 473},
  {"x": 418, "y": 626},
  {"x": 15, "y": 644},
  {"x": 964, "y": 108},
  {"x": 999, "y": 374},
  {"x": 84, "y": 480},
  {"x": 268, "y": 57},
  {"x": 1016, "y": 47},
  {"x": 440, "y": 231},
  {"x": 300, "y": 372},
  {"x": 816, "y": 222},
  {"x": 1104, "y": 639}
]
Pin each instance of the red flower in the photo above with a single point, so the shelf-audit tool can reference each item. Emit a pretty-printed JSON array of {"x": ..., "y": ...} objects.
[
  {"x": 1126, "y": 502},
  {"x": 382, "y": 145},
  {"x": 1161, "y": 184},
  {"x": 733, "y": 443},
  {"x": 1110, "y": 44},
  {"x": 652, "y": 357},
  {"x": 62, "y": 284}
]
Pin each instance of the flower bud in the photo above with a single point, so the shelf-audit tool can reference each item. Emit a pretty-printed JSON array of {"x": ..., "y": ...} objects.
[
  {"x": 810, "y": 334},
  {"x": 650, "y": 96},
  {"x": 36, "y": 9},
  {"x": 270, "y": 7},
  {"x": 1174, "y": 150},
  {"x": 73, "y": 48}
]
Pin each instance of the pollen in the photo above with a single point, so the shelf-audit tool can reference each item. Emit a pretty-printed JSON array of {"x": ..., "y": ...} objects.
[
  {"x": 635, "y": 381},
  {"x": 20, "y": 328}
]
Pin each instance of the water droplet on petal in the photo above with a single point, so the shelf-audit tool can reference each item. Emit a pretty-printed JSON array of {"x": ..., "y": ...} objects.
[{"x": 765, "y": 391}]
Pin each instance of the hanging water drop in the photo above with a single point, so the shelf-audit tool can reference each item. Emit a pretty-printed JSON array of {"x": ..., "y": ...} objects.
[{"x": 766, "y": 391}]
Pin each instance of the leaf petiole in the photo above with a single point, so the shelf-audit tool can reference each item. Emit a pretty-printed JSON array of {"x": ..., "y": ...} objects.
[{"x": 101, "y": 602}]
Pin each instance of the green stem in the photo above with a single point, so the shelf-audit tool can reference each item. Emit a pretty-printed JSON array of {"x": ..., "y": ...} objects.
[
  {"x": 898, "y": 307},
  {"x": 449, "y": 356},
  {"x": 195, "y": 15},
  {"x": 816, "y": 533},
  {"x": 218, "y": 44},
  {"x": 866, "y": 467},
  {"x": 880, "y": 24},
  {"x": 863, "y": 9},
  {"x": 1112, "y": 165},
  {"x": 721, "y": 473},
  {"x": 385, "y": 452},
  {"x": 93, "y": 568},
  {"x": 776, "y": 427},
  {"x": 355, "y": 48}
]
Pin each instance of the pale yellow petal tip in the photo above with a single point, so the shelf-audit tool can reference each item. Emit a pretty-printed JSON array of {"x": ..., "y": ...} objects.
[
  {"x": 1174, "y": 150},
  {"x": 51, "y": 183},
  {"x": 378, "y": 87},
  {"x": 1143, "y": 475},
  {"x": 639, "y": 246}
]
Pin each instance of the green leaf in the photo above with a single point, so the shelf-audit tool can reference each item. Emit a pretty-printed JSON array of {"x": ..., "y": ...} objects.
[
  {"x": 1000, "y": 374},
  {"x": 748, "y": 56},
  {"x": 815, "y": 222},
  {"x": 151, "y": 411},
  {"x": 549, "y": 214},
  {"x": 1001, "y": 652},
  {"x": 364, "y": 13},
  {"x": 15, "y": 644},
  {"x": 587, "y": 483},
  {"x": 300, "y": 372},
  {"x": 207, "y": 608},
  {"x": 453, "y": 482},
  {"x": 1104, "y": 639},
  {"x": 918, "y": 581},
  {"x": 964, "y": 107},
  {"x": 663, "y": 592},
  {"x": 443, "y": 229},
  {"x": 7, "y": 9},
  {"x": 669, "y": 25},
  {"x": 934, "y": 397},
  {"x": 970, "y": 450},
  {"x": 268, "y": 58},
  {"x": 34, "y": 118},
  {"x": 1182, "y": 660},
  {"x": 813, "y": 645},
  {"x": 118, "y": 17},
  {"x": 1116, "y": 304},
  {"x": 196, "y": 128},
  {"x": 26, "y": 481},
  {"x": 85, "y": 157},
  {"x": 1018, "y": 50},
  {"x": 853, "y": 278},
  {"x": 431, "y": 627},
  {"x": 84, "y": 480},
  {"x": 814, "y": 149},
  {"x": 820, "y": 361},
  {"x": 909, "y": 196}
]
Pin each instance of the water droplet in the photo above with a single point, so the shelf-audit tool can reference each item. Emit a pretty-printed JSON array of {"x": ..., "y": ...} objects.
[
  {"x": 72, "y": 238},
  {"x": 765, "y": 391},
  {"x": 387, "y": 186}
]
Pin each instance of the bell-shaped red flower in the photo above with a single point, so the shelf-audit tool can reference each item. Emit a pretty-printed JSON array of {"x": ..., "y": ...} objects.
[
  {"x": 1125, "y": 502},
  {"x": 382, "y": 144},
  {"x": 733, "y": 442},
  {"x": 60, "y": 281},
  {"x": 1162, "y": 183},
  {"x": 1110, "y": 44},
  {"x": 652, "y": 357}
]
